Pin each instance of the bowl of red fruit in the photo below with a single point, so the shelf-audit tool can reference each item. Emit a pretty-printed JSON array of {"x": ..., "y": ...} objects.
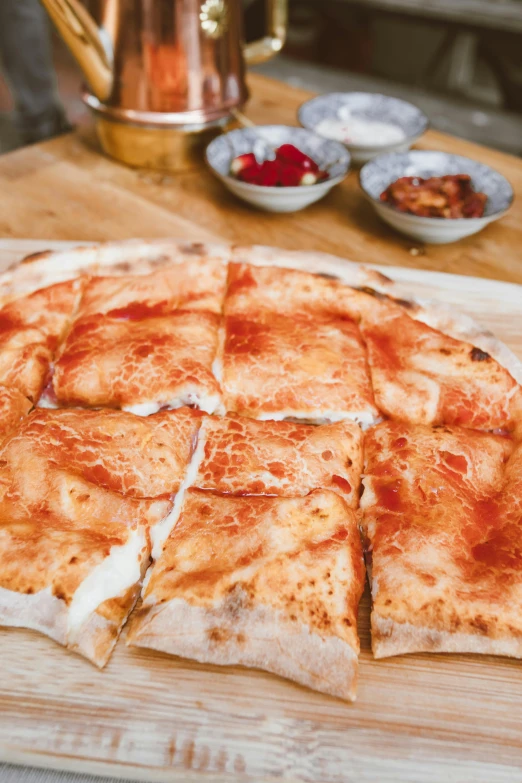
[
  {"x": 435, "y": 196},
  {"x": 276, "y": 167}
]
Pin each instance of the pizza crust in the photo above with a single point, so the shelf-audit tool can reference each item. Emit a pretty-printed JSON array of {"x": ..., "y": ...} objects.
[
  {"x": 45, "y": 613},
  {"x": 392, "y": 638},
  {"x": 232, "y": 633}
]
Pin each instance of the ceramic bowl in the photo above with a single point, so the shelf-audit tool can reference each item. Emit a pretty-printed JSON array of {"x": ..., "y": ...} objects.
[
  {"x": 329, "y": 155},
  {"x": 376, "y": 175},
  {"x": 367, "y": 106}
]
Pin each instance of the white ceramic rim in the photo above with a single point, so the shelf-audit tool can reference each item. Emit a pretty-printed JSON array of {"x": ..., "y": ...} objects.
[
  {"x": 443, "y": 220},
  {"x": 367, "y": 147},
  {"x": 289, "y": 189}
]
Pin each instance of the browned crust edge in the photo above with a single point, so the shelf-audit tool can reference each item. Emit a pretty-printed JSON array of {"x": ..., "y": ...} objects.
[
  {"x": 45, "y": 613},
  {"x": 391, "y": 638},
  {"x": 258, "y": 637}
]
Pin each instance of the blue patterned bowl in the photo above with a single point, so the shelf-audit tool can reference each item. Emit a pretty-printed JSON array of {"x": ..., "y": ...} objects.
[
  {"x": 329, "y": 155},
  {"x": 376, "y": 175},
  {"x": 367, "y": 106}
]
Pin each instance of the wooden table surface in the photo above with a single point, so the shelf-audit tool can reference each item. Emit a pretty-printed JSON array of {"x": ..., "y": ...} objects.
[{"x": 65, "y": 189}]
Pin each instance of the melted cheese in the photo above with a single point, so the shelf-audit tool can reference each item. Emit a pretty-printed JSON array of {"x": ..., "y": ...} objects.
[
  {"x": 142, "y": 408},
  {"x": 116, "y": 574},
  {"x": 321, "y": 416},
  {"x": 163, "y": 529}
]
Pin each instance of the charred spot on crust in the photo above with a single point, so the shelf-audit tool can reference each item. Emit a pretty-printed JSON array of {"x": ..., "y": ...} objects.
[
  {"x": 480, "y": 624},
  {"x": 159, "y": 260},
  {"x": 406, "y": 303},
  {"x": 327, "y": 276},
  {"x": 195, "y": 248},
  {"x": 217, "y": 635},
  {"x": 60, "y": 595},
  {"x": 122, "y": 266},
  {"x": 35, "y": 256},
  {"x": 365, "y": 289},
  {"x": 477, "y": 355},
  {"x": 381, "y": 277}
]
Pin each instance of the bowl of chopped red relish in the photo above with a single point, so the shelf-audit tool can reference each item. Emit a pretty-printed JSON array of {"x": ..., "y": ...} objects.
[
  {"x": 433, "y": 196},
  {"x": 276, "y": 167}
]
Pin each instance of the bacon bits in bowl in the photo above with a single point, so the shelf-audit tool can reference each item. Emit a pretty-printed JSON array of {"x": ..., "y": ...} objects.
[
  {"x": 276, "y": 167},
  {"x": 434, "y": 196},
  {"x": 368, "y": 123}
]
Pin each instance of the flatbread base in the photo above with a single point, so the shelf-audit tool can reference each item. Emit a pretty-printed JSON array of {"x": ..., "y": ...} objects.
[
  {"x": 259, "y": 637},
  {"x": 391, "y": 638}
]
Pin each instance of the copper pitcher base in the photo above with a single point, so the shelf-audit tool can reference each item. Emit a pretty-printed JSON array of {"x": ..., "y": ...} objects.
[{"x": 165, "y": 149}]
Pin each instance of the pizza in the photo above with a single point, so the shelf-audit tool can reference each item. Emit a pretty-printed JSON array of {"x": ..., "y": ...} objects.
[
  {"x": 144, "y": 342},
  {"x": 302, "y": 359},
  {"x": 261, "y": 581},
  {"x": 80, "y": 492},
  {"x": 191, "y": 424},
  {"x": 442, "y": 516},
  {"x": 423, "y": 376},
  {"x": 241, "y": 456},
  {"x": 31, "y": 329}
]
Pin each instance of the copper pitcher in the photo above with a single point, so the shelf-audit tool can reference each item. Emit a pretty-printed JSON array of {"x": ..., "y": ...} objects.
[{"x": 163, "y": 74}]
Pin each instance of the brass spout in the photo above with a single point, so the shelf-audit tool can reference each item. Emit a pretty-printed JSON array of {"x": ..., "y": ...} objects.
[{"x": 86, "y": 42}]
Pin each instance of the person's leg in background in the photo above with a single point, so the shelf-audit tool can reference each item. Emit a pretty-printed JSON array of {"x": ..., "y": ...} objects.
[{"x": 25, "y": 54}]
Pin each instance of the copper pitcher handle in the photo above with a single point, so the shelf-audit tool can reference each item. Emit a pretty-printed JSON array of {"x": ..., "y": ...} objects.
[{"x": 264, "y": 48}]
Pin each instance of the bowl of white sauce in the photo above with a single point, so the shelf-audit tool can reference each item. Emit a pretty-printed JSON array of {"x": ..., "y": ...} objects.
[{"x": 367, "y": 123}]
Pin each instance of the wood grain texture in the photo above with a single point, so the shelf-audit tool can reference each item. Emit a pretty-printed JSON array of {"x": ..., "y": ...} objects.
[
  {"x": 152, "y": 717},
  {"x": 65, "y": 189}
]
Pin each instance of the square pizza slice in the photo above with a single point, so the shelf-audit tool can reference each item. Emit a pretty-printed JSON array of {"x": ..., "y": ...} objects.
[
  {"x": 80, "y": 492},
  {"x": 267, "y": 582},
  {"x": 423, "y": 376},
  {"x": 145, "y": 342},
  {"x": 241, "y": 456},
  {"x": 442, "y": 515},
  {"x": 31, "y": 328},
  {"x": 141, "y": 366},
  {"x": 292, "y": 350}
]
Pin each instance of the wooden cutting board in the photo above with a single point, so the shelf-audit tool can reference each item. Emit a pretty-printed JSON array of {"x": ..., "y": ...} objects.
[{"x": 152, "y": 717}]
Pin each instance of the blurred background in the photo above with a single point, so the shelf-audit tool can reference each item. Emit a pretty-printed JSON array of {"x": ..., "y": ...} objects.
[{"x": 459, "y": 60}]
